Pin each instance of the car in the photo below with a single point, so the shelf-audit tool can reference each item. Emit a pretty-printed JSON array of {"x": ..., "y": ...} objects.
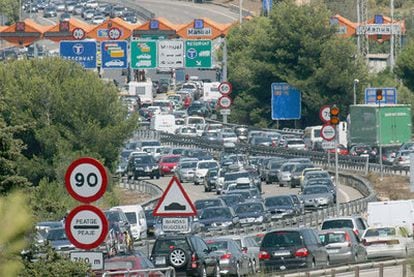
[
  {"x": 322, "y": 182},
  {"x": 232, "y": 199},
  {"x": 280, "y": 206},
  {"x": 143, "y": 166},
  {"x": 64, "y": 17},
  {"x": 58, "y": 240},
  {"x": 218, "y": 218},
  {"x": 125, "y": 263},
  {"x": 318, "y": 196},
  {"x": 296, "y": 174},
  {"x": 168, "y": 163},
  {"x": 230, "y": 178},
  {"x": 250, "y": 247},
  {"x": 49, "y": 11},
  {"x": 261, "y": 141},
  {"x": 363, "y": 150},
  {"x": 185, "y": 170},
  {"x": 314, "y": 174},
  {"x": 136, "y": 218},
  {"x": 343, "y": 246},
  {"x": 210, "y": 180},
  {"x": 188, "y": 254},
  {"x": 151, "y": 221},
  {"x": 285, "y": 173},
  {"x": 294, "y": 143},
  {"x": 272, "y": 169},
  {"x": 296, "y": 248},
  {"x": 354, "y": 222},
  {"x": 188, "y": 131},
  {"x": 114, "y": 63},
  {"x": 233, "y": 261},
  {"x": 201, "y": 170},
  {"x": 388, "y": 241},
  {"x": 252, "y": 213},
  {"x": 402, "y": 158}
]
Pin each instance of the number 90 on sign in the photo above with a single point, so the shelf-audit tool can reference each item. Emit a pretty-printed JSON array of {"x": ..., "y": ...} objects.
[{"x": 86, "y": 180}]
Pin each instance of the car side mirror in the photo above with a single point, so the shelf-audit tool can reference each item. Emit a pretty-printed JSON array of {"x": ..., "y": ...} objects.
[{"x": 211, "y": 249}]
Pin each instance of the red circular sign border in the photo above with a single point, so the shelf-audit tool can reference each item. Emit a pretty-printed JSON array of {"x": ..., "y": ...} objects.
[
  {"x": 77, "y": 28},
  {"x": 323, "y": 126},
  {"x": 225, "y": 96},
  {"x": 227, "y": 83},
  {"x": 115, "y": 28},
  {"x": 100, "y": 214},
  {"x": 320, "y": 113},
  {"x": 101, "y": 170}
]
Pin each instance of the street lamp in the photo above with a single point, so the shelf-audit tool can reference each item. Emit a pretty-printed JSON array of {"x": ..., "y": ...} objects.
[
  {"x": 241, "y": 11},
  {"x": 356, "y": 81}
]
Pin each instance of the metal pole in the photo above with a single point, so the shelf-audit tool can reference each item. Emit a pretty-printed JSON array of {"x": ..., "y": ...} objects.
[
  {"x": 336, "y": 169},
  {"x": 380, "y": 141},
  {"x": 392, "y": 62},
  {"x": 241, "y": 11},
  {"x": 356, "y": 81},
  {"x": 359, "y": 24},
  {"x": 20, "y": 10},
  {"x": 224, "y": 77}
]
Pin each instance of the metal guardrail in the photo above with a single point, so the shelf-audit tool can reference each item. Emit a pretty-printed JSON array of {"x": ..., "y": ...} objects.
[
  {"x": 161, "y": 271},
  {"x": 145, "y": 187}
]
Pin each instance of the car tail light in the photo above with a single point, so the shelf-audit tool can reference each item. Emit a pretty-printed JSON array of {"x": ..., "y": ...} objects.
[
  {"x": 356, "y": 232},
  {"x": 302, "y": 252},
  {"x": 226, "y": 256},
  {"x": 194, "y": 260},
  {"x": 264, "y": 255},
  {"x": 348, "y": 239}
]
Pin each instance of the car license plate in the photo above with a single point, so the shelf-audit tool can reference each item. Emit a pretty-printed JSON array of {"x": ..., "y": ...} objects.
[
  {"x": 160, "y": 260},
  {"x": 281, "y": 253},
  {"x": 333, "y": 250},
  {"x": 148, "y": 170}
]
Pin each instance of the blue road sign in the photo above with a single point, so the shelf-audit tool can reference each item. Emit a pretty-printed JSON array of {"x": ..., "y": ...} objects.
[
  {"x": 389, "y": 96},
  {"x": 191, "y": 53},
  {"x": 286, "y": 102},
  {"x": 114, "y": 54},
  {"x": 83, "y": 52}
]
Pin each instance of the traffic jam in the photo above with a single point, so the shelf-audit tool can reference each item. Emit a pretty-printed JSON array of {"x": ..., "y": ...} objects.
[{"x": 184, "y": 236}]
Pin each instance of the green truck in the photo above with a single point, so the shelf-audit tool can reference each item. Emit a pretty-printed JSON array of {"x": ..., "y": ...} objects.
[{"x": 388, "y": 125}]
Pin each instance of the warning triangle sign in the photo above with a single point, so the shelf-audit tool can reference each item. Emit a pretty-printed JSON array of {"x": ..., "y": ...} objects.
[{"x": 175, "y": 201}]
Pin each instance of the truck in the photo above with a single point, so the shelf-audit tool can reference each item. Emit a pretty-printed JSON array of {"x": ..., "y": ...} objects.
[
  {"x": 163, "y": 123},
  {"x": 374, "y": 125},
  {"x": 144, "y": 90},
  {"x": 210, "y": 91},
  {"x": 391, "y": 213}
]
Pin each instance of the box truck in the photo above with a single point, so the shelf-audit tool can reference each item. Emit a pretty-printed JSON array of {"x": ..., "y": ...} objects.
[
  {"x": 144, "y": 90},
  {"x": 210, "y": 91},
  {"x": 388, "y": 125},
  {"x": 391, "y": 213}
]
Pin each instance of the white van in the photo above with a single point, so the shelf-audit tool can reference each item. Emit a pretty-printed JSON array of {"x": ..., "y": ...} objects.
[
  {"x": 144, "y": 90},
  {"x": 137, "y": 220},
  {"x": 211, "y": 91},
  {"x": 163, "y": 123},
  {"x": 312, "y": 136}
]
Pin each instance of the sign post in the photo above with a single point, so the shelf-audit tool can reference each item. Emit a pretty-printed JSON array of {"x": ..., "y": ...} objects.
[
  {"x": 225, "y": 101},
  {"x": 175, "y": 207}
]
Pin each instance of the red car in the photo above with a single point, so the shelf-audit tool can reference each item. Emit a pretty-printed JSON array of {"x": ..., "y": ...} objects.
[
  {"x": 128, "y": 263},
  {"x": 342, "y": 150},
  {"x": 168, "y": 163}
]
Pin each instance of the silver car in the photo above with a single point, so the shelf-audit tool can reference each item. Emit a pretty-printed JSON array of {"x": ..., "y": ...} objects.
[
  {"x": 185, "y": 170},
  {"x": 314, "y": 197},
  {"x": 343, "y": 246}
]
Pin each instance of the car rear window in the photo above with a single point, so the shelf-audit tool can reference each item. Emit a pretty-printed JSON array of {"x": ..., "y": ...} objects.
[
  {"x": 338, "y": 223},
  {"x": 165, "y": 246},
  {"x": 380, "y": 232},
  {"x": 219, "y": 245},
  {"x": 332, "y": 238},
  {"x": 282, "y": 239},
  {"x": 132, "y": 217}
]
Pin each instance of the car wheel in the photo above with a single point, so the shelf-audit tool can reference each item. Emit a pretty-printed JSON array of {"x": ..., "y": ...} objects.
[
  {"x": 328, "y": 261},
  {"x": 238, "y": 270},
  {"x": 205, "y": 189},
  {"x": 178, "y": 258},
  {"x": 254, "y": 265},
  {"x": 152, "y": 177},
  {"x": 158, "y": 176},
  {"x": 313, "y": 264},
  {"x": 203, "y": 271},
  {"x": 217, "y": 270}
]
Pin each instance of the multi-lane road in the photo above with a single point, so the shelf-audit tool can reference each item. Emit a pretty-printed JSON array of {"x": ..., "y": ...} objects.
[{"x": 345, "y": 193}]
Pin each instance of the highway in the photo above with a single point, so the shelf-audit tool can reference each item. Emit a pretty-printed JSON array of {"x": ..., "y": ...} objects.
[{"x": 345, "y": 193}]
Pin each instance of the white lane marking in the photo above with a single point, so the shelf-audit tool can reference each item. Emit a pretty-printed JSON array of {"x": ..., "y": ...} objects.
[
  {"x": 189, "y": 6},
  {"x": 346, "y": 196}
]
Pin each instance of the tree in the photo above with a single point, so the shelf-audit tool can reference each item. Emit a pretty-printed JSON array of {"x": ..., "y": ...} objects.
[
  {"x": 294, "y": 45},
  {"x": 405, "y": 66},
  {"x": 10, "y": 9},
  {"x": 12, "y": 237},
  {"x": 66, "y": 112}
]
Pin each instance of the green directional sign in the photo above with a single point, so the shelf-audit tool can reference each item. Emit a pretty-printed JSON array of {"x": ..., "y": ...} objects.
[
  {"x": 198, "y": 54},
  {"x": 143, "y": 54}
]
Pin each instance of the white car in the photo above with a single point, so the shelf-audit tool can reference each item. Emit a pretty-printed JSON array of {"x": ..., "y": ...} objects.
[
  {"x": 202, "y": 168},
  {"x": 98, "y": 19},
  {"x": 114, "y": 63}
]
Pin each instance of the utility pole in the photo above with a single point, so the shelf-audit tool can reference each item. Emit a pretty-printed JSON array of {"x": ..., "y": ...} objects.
[
  {"x": 241, "y": 11},
  {"x": 392, "y": 60}
]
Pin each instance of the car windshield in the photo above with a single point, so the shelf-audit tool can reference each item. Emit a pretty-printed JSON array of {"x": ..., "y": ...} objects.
[
  {"x": 325, "y": 182},
  {"x": 278, "y": 201},
  {"x": 207, "y": 165},
  {"x": 244, "y": 193},
  {"x": 332, "y": 238},
  {"x": 282, "y": 239},
  {"x": 295, "y": 142},
  {"x": 142, "y": 160},
  {"x": 171, "y": 159},
  {"x": 132, "y": 217},
  {"x": 150, "y": 143},
  {"x": 189, "y": 165},
  {"x": 262, "y": 139},
  {"x": 232, "y": 199},
  {"x": 207, "y": 203},
  {"x": 276, "y": 164},
  {"x": 216, "y": 212},
  {"x": 249, "y": 208},
  {"x": 315, "y": 190},
  {"x": 317, "y": 174},
  {"x": 56, "y": 234},
  {"x": 166, "y": 246},
  {"x": 235, "y": 176},
  {"x": 287, "y": 167},
  {"x": 380, "y": 232}
]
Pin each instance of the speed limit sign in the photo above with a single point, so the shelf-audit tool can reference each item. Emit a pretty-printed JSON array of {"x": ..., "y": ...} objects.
[
  {"x": 78, "y": 33},
  {"x": 86, "y": 180},
  {"x": 114, "y": 33},
  {"x": 225, "y": 88}
]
